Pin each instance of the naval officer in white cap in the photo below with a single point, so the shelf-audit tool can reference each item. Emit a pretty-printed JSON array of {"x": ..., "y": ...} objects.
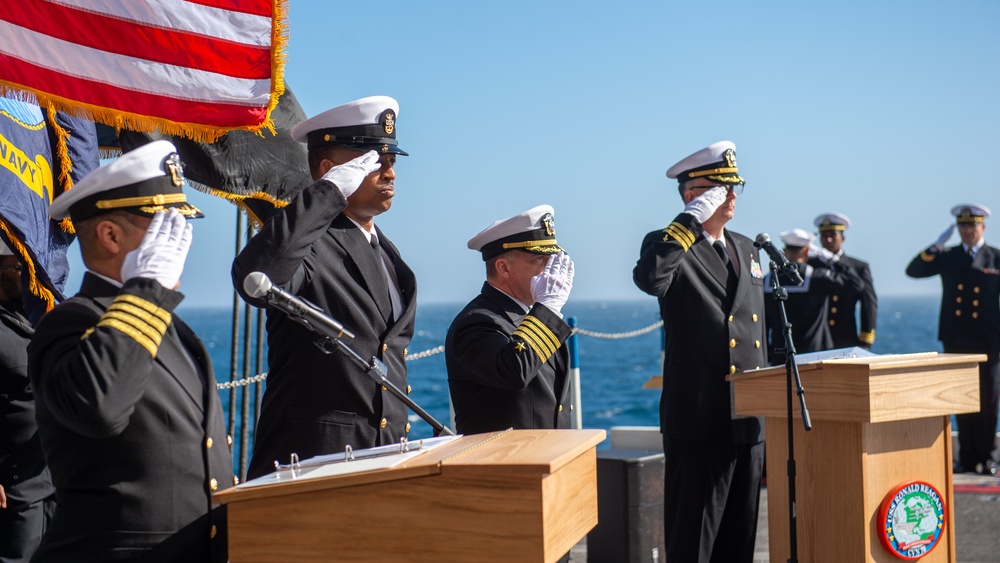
[
  {"x": 970, "y": 323},
  {"x": 807, "y": 304},
  {"x": 843, "y": 304},
  {"x": 709, "y": 284},
  {"x": 325, "y": 247},
  {"x": 508, "y": 365},
  {"x": 128, "y": 414}
]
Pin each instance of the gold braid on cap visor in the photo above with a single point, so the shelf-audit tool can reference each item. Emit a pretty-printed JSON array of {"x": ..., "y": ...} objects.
[
  {"x": 531, "y": 244},
  {"x": 700, "y": 173},
  {"x": 158, "y": 199}
]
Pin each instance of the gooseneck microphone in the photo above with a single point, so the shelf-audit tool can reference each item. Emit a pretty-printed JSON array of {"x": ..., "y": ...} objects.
[
  {"x": 259, "y": 286},
  {"x": 763, "y": 240}
]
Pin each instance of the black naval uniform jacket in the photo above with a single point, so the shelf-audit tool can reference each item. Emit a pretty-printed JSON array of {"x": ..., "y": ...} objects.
[
  {"x": 507, "y": 368},
  {"x": 317, "y": 403},
  {"x": 969, "y": 322},
  {"x": 132, "y": 428},
  {"x": 970, "y": 299},
  {"x": 843, "y": 303},
  {"x": 808, "y": 307},
  {"x": 710, "y": 332},
  {"x": 23, "y": 474}
]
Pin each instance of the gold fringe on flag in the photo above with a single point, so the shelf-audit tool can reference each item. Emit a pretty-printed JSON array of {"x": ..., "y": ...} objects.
[
  {"x": 197, "y": 132},
  {"x": 35, "y": 285}
]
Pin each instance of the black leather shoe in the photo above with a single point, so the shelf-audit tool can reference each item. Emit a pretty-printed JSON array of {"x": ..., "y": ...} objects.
[{"x": 959, "y": 468}]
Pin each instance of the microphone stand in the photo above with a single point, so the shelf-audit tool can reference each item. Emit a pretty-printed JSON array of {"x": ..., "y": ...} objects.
[
  {"x": 377, "y": 371},
  {"x": 780, "y": 295},
  {"x": 374, "y": 367}
]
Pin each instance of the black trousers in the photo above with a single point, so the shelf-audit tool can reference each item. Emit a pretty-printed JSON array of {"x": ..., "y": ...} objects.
[
  {"x": 21, "y": 528},
  {"x": 711, "y": 498},
  {"x": 977, "y": 431}
]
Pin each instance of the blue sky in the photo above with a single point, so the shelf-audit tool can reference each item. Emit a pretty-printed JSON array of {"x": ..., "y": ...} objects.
[{"x": 884, "y": 111}]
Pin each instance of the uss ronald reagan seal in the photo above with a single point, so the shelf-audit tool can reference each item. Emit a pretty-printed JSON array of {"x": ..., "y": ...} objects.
[{"x": 911, "y": 520}]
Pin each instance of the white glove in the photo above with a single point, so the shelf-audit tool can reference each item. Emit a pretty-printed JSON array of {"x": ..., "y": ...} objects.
[
  {"x": 824, "y": 255},
  {"x": 348, "y": 176},
  {"x": 162, "y": 251},
  {"x": 551, "y": 287},
  {"x": 943, "y": 239},
  {"x": 704, "y": 206}
]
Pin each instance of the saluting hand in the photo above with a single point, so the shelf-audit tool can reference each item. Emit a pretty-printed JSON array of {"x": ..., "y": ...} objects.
[
  {"x": 348, "y": 176},
  {"x": 942, "y": 240},
  {"x": 823, "y": 254},
  {"x": 551, "y": 287},
  {"x": 704, "y": 206},
  {"x": 162, "y": 251}
]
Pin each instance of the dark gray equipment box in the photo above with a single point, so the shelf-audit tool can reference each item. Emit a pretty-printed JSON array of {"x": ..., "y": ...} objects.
[{"x": 629, "y": 508}]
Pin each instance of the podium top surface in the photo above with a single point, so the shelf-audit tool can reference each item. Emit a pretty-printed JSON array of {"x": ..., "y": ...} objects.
[
  {"x": 511, "y": 452},
  {"x": 870, "y": 365},
  {"x": 868, "y": 389}
]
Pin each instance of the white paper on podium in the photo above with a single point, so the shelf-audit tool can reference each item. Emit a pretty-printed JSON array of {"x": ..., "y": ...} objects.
[
  {"x": 837, "y": 354},
  {"x": 370, "y": 459}
]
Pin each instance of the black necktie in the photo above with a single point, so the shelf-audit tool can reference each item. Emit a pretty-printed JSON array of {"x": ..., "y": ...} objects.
[
  {"x": 720, "y": 248},
  {"x": 382, "y": 268}
]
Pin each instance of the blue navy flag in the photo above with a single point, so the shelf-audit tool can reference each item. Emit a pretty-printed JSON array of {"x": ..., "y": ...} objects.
[{"x": 41, "y": 155}]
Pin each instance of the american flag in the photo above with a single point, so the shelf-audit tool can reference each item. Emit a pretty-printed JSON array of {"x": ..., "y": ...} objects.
[{"x": 194, "y": 68}]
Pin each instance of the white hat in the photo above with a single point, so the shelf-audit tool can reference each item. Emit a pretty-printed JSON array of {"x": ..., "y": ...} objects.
[
  {"x": 363, "y": 125},
  {"x": 716, "y": 162},
  {"x": 832, "y": 222},
  {"x": 142, "y": 181},
  {"x": 796, "y": 237},
  {"x": 532, "y": 231},
  {"x": 970, "y": 213}
]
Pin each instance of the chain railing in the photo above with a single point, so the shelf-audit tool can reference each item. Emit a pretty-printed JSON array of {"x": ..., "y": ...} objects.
[
  {"x": 618, "y": 335},
  {"x": 439, "y": 349}
]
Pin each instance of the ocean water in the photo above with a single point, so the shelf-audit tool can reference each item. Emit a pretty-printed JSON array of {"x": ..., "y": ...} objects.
[{"x": 612, "y": 370}]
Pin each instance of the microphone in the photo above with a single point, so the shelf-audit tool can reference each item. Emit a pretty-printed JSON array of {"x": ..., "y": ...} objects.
[
  {"x": 259, "y": 286},
  {"x": 763, "y": 240}
]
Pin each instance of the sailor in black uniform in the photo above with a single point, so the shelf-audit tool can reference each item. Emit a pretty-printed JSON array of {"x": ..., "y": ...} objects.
[
  {"x": 970, "y": 323},
  {"x": 709, "y": 284},
  {"x": 508, "y": 364},
  {"x": 807, "y": 305},
  {"x": 325, "y": 247},
  {"x": 127, "y": 407},
  {"x": 844, "y": 303},
  {"x": 27, "y": 497}
]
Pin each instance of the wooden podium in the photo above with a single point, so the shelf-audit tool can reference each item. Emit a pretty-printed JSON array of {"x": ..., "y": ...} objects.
[
  {"x": 519, "y": 495},
  {"x": 878, "y": 422}
]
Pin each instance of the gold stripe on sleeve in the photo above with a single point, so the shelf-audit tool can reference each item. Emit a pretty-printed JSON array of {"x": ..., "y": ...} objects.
[
  {"x": 149, "y": 332},
  {"x": 533, "y": 342},
  {"x": 681, "y": 234},
  {"x": 145, "y": 305},
  {"x": 543, "y": 331},
  {"x": 152, "y": 320},
  {"x": 132, "y": 332}
]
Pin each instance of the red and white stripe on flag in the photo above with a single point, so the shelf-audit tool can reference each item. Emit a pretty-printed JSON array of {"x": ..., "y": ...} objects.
[{"x": 194, "y": 68}]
